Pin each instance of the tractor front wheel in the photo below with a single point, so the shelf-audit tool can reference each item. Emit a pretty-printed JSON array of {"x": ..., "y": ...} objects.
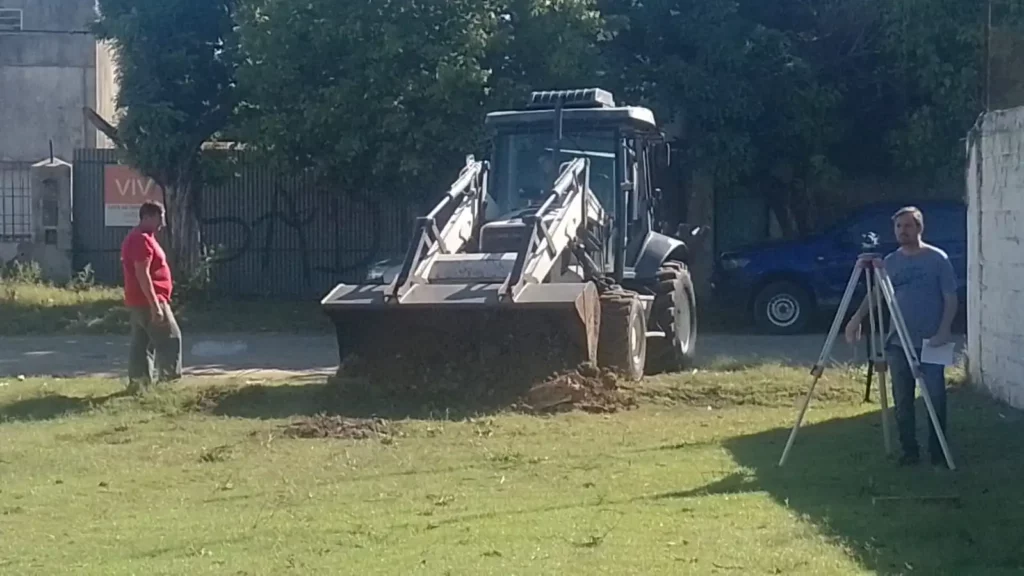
[
  {"x": 622, "y": 346},
  {"x": 675, "y": 313}
]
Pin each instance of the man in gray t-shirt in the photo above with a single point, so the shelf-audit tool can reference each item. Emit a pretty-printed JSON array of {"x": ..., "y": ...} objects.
[{"x": 925, "y": 287}]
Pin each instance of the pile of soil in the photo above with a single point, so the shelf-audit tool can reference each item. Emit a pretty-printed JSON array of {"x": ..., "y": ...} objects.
[
  {"x": 323, "y": 426},
  {"x": 440, "y": 357},
  {"x": 586, "y": 388}
]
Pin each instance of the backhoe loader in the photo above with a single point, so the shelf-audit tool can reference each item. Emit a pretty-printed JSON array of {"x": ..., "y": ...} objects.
[{"x": 543, "y": 254}]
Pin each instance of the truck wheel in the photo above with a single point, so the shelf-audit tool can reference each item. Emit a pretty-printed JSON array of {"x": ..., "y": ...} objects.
[
  {"x": 675, "y": 313},
  {"x": 622, "y": 346},
  {"x": 782, "y": 308}
]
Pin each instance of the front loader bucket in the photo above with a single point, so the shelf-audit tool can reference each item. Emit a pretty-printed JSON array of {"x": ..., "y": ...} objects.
[{"x": 463, "y": 338}]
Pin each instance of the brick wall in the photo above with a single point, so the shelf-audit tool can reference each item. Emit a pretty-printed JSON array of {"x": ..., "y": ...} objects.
[{"x": 995, "y": 228}]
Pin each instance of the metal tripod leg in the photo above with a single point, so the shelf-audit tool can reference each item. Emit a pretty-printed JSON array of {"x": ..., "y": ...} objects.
[
  {"x": 826, "y": 350},
  {"x": 871, "y": 373},
  {"x": 876, "y": 342},
  {"x": 915, "y": 365}
]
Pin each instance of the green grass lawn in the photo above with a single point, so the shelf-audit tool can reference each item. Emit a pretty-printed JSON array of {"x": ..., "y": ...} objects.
[
  {"x": 31, "y": 308},
  {"x": 204, "y": 479}
]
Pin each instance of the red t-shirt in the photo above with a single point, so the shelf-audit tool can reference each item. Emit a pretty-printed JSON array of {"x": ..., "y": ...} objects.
[{"x": 138, "y": 246}]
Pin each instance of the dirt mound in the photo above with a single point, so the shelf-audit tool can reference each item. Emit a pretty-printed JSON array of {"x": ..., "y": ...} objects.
[
  {"x": 485, "y": 360},
  {"x": 323, "y": 426},
  {"x": 586, "y": 389}
]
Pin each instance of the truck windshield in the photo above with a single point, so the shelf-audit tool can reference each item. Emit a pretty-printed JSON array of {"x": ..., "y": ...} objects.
[{"x": 525, "y": 171}]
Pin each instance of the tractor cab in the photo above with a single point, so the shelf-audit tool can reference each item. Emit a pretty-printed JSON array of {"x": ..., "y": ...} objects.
[{"x": 532, "y": 146}]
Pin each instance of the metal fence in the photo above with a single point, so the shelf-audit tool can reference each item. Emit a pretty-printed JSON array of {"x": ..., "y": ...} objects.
[
  {"x": 15, "y": 202},
  {"x": 273, "y": 235}
]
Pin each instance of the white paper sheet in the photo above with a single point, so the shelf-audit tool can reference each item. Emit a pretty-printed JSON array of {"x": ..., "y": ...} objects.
[{"x": 942, "y": 355}]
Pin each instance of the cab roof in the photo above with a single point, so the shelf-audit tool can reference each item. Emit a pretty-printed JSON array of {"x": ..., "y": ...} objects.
[{"x": 591, "y": 106}]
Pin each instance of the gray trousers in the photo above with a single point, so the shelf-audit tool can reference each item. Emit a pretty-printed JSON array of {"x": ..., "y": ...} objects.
[{"x": 154, "y": 346}]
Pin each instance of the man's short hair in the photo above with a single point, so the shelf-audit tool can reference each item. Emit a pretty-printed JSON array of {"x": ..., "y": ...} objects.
[
  {"x": 913, "y": 211},
  {"x": 150, "y": 208}
]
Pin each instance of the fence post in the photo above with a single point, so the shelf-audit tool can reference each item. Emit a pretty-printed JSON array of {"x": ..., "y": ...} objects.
[{"x": 50, "y": 244}]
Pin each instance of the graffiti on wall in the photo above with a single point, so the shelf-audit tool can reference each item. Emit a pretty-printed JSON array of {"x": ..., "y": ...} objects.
[
  {"x": 317, "y": 238},
  {"x": 271, "y": 234}
]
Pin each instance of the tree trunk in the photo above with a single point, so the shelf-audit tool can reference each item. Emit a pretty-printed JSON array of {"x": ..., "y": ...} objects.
[
  {"x": 184, "y": 235},
  {"x": 701, "y": 212}
]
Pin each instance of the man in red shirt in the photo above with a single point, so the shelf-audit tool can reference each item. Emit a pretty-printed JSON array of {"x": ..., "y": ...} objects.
[{"x": 147, "y": 295}]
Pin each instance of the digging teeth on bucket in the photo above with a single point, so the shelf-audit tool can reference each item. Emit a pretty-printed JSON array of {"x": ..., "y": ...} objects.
[{"x": 545, "y": 261}]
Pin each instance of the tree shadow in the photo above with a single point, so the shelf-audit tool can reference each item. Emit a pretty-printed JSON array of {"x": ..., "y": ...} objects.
[
  {"x": 52, "y": 406},
  {"x": 838, "y": 477}
]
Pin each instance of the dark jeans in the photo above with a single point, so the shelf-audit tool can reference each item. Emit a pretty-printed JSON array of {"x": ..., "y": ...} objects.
[
  {"x": 903, "y": 387},
  {"x": 149, "y": 342}
]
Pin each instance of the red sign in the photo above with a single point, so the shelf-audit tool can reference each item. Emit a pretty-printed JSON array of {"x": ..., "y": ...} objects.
[{"x": 124, "y": 190}]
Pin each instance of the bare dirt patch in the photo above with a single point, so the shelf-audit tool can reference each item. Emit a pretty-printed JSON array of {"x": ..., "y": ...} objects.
[{"x": 324, "y": 426}]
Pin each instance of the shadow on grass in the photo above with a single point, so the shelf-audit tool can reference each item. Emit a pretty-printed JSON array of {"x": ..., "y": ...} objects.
[
  {"x": 51, "y": 406},
  {"x": 836, "y": 469},
  {"x": 315, "y": 395}
]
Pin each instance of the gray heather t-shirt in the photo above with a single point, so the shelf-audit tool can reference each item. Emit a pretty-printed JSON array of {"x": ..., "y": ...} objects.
[{"x": 920, "y": 282}]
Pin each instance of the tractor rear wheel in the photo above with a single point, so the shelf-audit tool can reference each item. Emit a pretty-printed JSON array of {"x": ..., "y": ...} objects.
[
  {"x": 675, "y": 313},
  {"x": 622, "y": 346}
]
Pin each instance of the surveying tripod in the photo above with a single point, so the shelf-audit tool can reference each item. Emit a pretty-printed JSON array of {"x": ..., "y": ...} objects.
[{"x": 880, "y": 296}]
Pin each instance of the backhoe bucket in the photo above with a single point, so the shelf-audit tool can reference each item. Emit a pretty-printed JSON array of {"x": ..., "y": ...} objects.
[{"x": 449, "y": 336}]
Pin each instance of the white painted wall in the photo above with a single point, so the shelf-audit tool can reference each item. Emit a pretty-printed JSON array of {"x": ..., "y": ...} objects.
[{"x": 995, "y": 265}]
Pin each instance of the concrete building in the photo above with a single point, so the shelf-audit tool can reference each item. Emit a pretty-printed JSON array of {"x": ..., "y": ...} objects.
[
  {"x": 995, "y": 228},
  {"x": 50, "y": 68}
]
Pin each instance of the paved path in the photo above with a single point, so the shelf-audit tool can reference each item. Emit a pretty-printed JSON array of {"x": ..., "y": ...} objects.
[{"x": 285, "y": 355}]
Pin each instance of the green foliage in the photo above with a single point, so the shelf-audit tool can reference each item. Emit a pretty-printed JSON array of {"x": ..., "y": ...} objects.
[
  {"x": 787, "y": 96},
  {"x": 197, "y": 287},
  {"x": 176, "y": 62},
  {"x": 371, "y": 95},
  {"x": 689, "y": 61},
  {"x": 385, "y": 96},
  {"x": 18, "y": 272},
  {"x": 790, "y": 97},
  {"x": 176, "y": 71},
  {"x": 83, "y": 280},
  {"x": 539, "y": 44}
]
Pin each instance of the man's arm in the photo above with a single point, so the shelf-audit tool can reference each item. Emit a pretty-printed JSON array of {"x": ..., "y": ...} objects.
[
  {"x": 947, "y": 282},
  {"x": 146, "y": 280},
  {"x": 853, "y": 326},
  {"x": 948, "y": 312},
  {"x": 861, "y": 312}
]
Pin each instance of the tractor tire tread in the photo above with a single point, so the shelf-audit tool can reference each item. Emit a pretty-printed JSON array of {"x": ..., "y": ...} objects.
[
  {"x": 665, "y": 354},
  {"x": 618, "y": 311}
]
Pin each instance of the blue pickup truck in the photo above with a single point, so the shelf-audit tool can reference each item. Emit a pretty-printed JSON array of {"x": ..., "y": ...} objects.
[{"x": 782, "y": 286}]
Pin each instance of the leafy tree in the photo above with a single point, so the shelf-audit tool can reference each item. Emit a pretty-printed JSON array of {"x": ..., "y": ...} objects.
[
  {"x": 688, "y": 60},
  {"x": 176, "y": 62},
  {"x": 543, "y": 45},
  {"x": 790, "y": 97},
  {"x": 389, "y": 96},
  {"x": 787, "y": 97},
  {"x": 373, "y": 96},
  {"x": 933, "y": 54}
]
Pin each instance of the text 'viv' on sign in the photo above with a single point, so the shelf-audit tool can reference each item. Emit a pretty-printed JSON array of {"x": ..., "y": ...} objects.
[{"x": 124, "y": 191}]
